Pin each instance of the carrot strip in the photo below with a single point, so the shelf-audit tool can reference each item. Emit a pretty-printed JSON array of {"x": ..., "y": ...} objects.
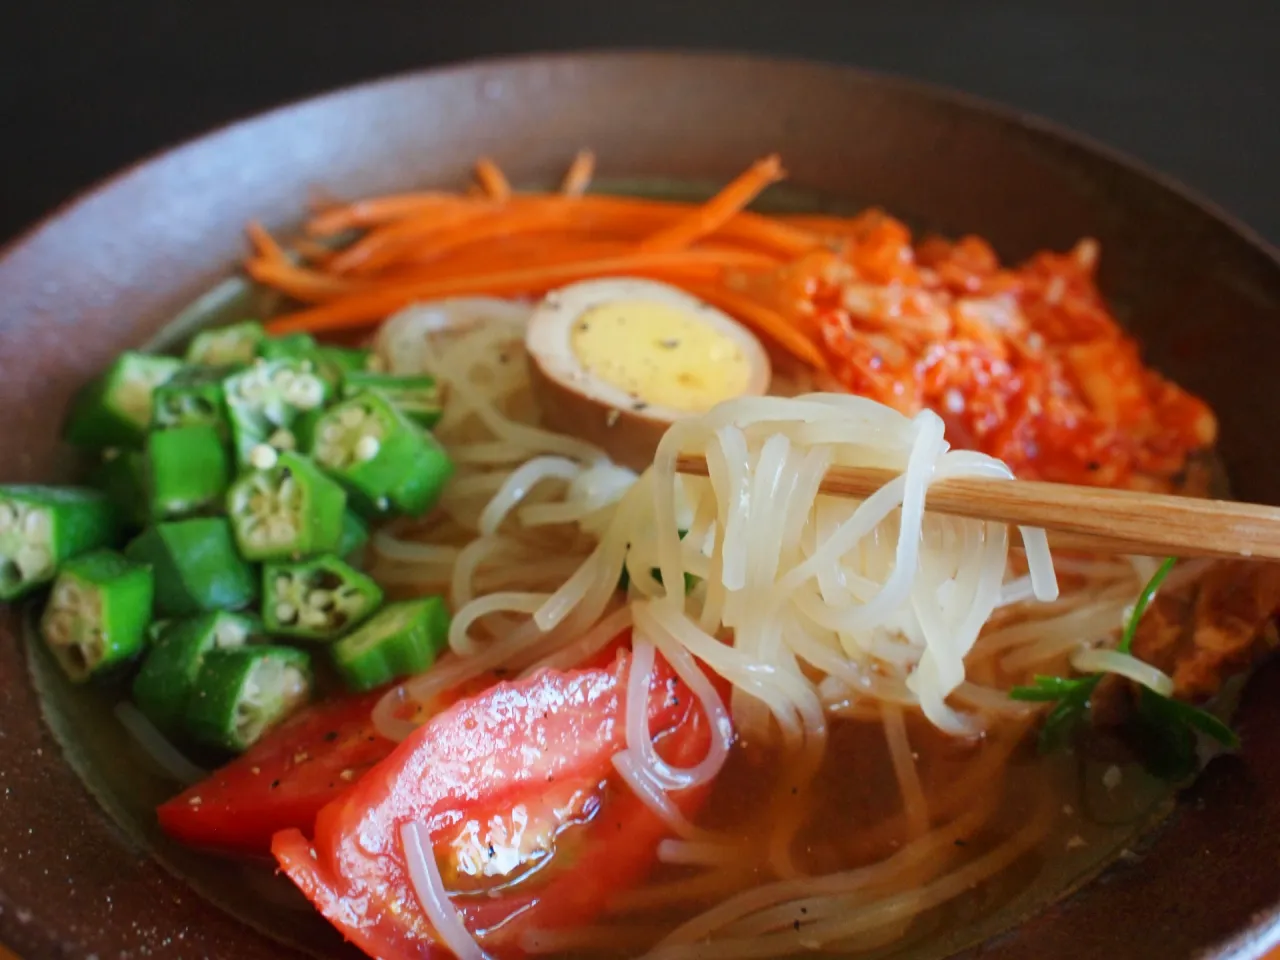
[
  {"x": 372, "y": 305},
  {"x": 717, "y": 211},
  {"x": 384, "y": 246},
  {"x": 313, "y": 251},
  {"x": 379, "y": 210},
  {"x": 492, "y": 180},
  {"x": 420, "y": 241},
  {"x": 579, "y": 175},
  {"x": 765, "y": 319},
  {"x": 299, "y": 282},
  {"x": 264, "y": 244}
]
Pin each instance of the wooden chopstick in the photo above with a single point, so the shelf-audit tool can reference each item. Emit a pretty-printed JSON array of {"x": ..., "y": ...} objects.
[{"x": 1083, "y": 518}]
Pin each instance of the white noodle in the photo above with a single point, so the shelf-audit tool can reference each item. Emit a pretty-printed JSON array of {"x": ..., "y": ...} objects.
[{"x": 424, "y": 874}]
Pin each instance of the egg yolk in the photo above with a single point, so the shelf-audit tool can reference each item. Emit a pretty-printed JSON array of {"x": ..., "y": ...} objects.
[{"x": 660, "y": 354}]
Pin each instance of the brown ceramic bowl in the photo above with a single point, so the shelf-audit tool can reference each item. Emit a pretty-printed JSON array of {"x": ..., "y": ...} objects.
[{"x": 81, "y": 871}]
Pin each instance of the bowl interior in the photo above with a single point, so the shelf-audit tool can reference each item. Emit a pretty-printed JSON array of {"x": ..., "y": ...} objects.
[{"x": 114, "y": 270}]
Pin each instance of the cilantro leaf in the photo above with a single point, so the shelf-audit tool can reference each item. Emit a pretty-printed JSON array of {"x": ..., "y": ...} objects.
[
  {"x": 1144, "y": 600},
  {"x": 1166, "y": 728}
]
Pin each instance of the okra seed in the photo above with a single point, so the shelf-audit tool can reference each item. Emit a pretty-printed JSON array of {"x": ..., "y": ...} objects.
[
  {"x": 320, "y": 599},
  {"x": 263, "y": 457},
  {"x": 366, "y": 448},
  {"x": 331, "y": 433},
  {"x": 283, "y": 583},
  {"x": 33, "y": 561},
  {"x": 306, "y": 394},
  {"x": 7, "y": 516},
  {"x": 283, "y": 440},
  {"x": 37, "y": 524},
  {"x": 351, "y": 417},
  {"x": 285, "y": 612}
]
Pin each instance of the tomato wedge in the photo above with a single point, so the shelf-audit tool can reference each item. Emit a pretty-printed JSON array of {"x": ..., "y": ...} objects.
[
  {"x": 282, "y": 781},
  {"x": 534, "y": 754}
]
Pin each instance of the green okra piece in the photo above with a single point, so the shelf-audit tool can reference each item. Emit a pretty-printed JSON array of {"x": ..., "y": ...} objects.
[
  {"x": 115, "y": 409},
  {"x": 194, "y": 395},
  {"x": 43, "y": 527},
  {"x": 163, "y": 685},
  {"x": 265, "y": 400},
  {"x": 291, "y": 346},
  {"x": 355, "y": 537},
  {"x": 121, "y": 475},
  {"x": 418, "y": 398},
  {"x": 287, "y": 511},
  {"x": 226, "y": 346},
  {"x": 335, "y": 364},
  {"x": 97, "y": 614},
  {"x": 241, "y": 693},
  {"x": 401, "y": 639},
  {"x": 318, "y": 599},
  {"x": 386, "y": 460},
  {"x": 197, "y": 567},
  {"x": 188, "y": 470}
]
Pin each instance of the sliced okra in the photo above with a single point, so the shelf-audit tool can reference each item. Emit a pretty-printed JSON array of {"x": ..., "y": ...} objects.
[
  {"x": 194, "y": 395},
  {"x": 401, "y": 639},
  {"x": 188, "y": 470},
  {"x": 115, "y": 410},
  {"x": 287, "y": 511},
  {"x": 293, "y": 346},
  {"x": 164, "y": 682},
  {"x": 335, "y": 364},
  {"x": 226, "y": 346},
  {"x": 241, "y": 693},
  {"x": 355, "y": 536},
  {"x": 197, "y": 567},
  {"x": 264, "y": 401},
  {"x": 122, "y": 477},
  {"x": 97, "y": 613},
  {"x": 42, "y": 527},
  {"x": 319, "y": 599},
  {"x": 417, "y": 397},
  {"x": 382, "y": 456}
]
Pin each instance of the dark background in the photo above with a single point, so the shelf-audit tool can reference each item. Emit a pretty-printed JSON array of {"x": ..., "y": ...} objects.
[{"x": 1193, "y": 88}]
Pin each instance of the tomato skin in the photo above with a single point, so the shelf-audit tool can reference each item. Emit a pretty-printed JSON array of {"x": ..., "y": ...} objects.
[
  {"x": 507, "y": 743},
  {"x": 282, "y": 781}
]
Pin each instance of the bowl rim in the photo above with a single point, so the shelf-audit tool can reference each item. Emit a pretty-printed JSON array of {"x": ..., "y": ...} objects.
[{"x": 1263, "y": 932}]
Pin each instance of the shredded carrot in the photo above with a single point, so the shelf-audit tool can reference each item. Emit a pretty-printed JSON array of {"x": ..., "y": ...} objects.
[
  {"x": 717, "y": 211},
  {"x": 768, "y": 321},
  {"x": 314, "y": 252},
  {"x": 578, "y": 178},
  {"x": 382, "y": 247},
  {"x": 422, "y": 238},
  {"x": 376, "y": 303},
  {"x": 264, "y": 244},
  {"x": 300, "y": 283},
  {"x": 492, "y": 180},
  {"x": 380, "y": 210}
]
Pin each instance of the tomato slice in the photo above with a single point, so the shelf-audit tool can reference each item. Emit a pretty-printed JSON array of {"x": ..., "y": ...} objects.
[
  {"x": 282, "y": 781},
  {"x": 534, "y": 753}
]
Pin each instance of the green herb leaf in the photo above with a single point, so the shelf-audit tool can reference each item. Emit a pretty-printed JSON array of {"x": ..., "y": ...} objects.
[
  {"x": 1144, "y": 600},
  {"x": 1051, "y": 688},
  {"x": 1165, "y": 728}
]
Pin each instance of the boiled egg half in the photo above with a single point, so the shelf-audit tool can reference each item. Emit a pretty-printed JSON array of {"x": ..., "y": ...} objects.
[{"x": 616, "y": 361}]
